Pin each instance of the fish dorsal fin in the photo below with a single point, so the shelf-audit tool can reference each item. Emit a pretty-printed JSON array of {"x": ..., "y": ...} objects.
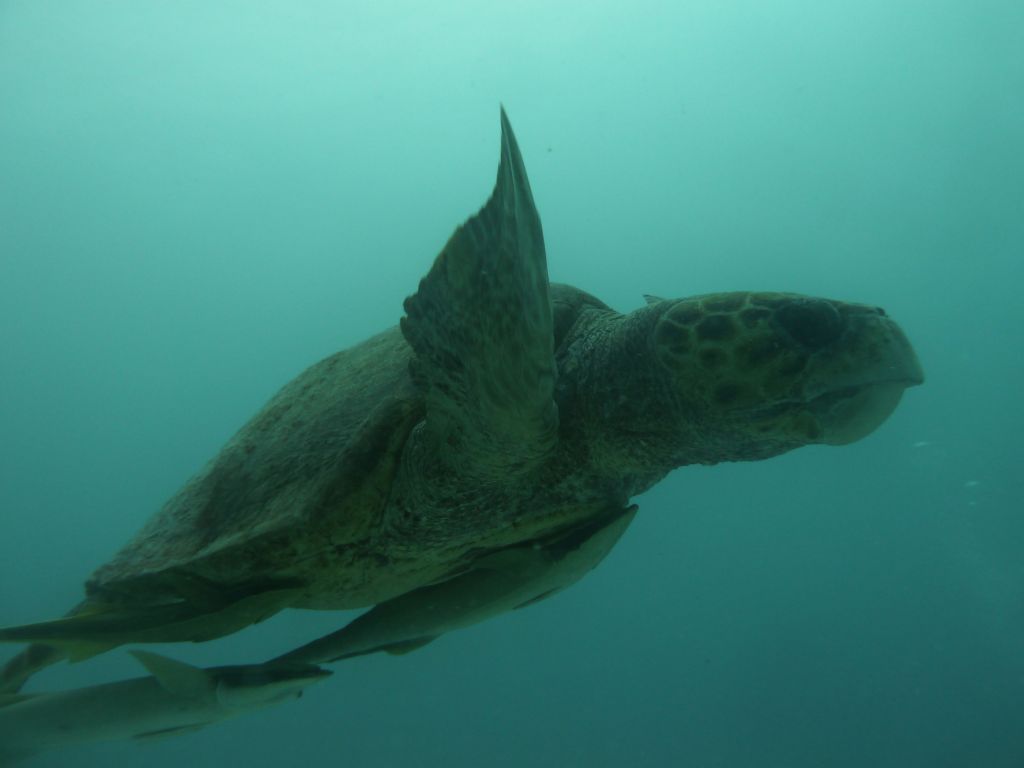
[
  {"x": 652, "y": 299},
  {"x": 175, "y": 677}
]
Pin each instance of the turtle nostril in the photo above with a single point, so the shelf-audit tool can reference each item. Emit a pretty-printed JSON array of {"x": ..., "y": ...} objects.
[{"x": 811, "y": 322}]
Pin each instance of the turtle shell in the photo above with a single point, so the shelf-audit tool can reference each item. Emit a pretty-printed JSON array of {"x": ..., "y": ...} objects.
[{"x": 303, "y": 482}]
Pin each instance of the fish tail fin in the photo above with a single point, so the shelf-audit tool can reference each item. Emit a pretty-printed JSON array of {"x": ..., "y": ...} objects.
[
  {"x": 18, "y": 669},
  {"x": 41, "y": 652}
]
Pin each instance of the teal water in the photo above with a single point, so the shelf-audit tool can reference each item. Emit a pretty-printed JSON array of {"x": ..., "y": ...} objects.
[{"x": 198, "y": 199}]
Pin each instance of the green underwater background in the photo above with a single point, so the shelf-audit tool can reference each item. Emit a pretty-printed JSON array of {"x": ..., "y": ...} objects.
[{"x": 199, "y": 199}]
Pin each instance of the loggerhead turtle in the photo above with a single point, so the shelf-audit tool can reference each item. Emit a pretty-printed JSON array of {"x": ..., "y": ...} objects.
[{"x": 504, "y": 414}]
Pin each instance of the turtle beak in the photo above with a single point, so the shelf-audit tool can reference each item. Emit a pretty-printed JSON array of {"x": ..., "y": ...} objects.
[{"x": 856, "y": 402}]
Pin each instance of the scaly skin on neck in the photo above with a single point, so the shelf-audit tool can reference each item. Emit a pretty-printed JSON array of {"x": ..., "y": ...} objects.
[{"x": 620, "y": 420}]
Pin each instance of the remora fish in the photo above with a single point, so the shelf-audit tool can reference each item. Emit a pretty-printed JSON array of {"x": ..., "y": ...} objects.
[
  {"x": 499, "y": 582},
  {"x": 175, "y": 698}
]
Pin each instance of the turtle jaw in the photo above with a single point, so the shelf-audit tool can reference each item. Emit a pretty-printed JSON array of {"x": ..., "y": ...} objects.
[
  {"x": 849, "y": 414},
  {"x": 849, "y": 403}
]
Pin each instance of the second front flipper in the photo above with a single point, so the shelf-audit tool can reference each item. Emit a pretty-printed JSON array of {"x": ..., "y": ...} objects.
[{"x": 496, "y": 583}]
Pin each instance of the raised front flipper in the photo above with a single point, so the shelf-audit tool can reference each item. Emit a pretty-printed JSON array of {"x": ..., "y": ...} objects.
[
  {"x": 496, "y": 583},
  {"x": 480, "y": 325}
]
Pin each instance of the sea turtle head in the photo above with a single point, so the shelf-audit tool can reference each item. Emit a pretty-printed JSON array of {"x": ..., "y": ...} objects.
[{"x": 757, "y": 374}]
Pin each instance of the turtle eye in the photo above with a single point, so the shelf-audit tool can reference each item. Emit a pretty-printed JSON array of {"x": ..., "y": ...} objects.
[{"x": 811, "y": 322}]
